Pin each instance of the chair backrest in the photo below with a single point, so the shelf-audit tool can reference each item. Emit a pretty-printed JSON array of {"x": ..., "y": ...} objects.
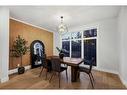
[
  {"x": 90, "y": 63},
  {"x": 56, "y": 65}
]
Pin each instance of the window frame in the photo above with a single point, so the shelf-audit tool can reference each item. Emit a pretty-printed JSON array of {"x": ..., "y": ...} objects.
[{"x": 82, "y": 40}]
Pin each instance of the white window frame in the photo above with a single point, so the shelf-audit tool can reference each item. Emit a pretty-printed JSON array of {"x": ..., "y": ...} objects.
[{"x": 82, "y": 40}]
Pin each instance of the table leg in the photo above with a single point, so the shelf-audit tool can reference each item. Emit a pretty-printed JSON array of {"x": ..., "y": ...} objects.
[
  {"x": 49, "y": 65},
  {"x": 74, "y": 73}
]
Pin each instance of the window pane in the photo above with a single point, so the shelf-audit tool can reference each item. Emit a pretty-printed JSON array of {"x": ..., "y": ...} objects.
[
  {"x": 76, "y": 35},
  {"x": 66, "y": 47},
  {"x": 76, "y": 49},
  {"x": 90, "y": 33},
  {"x": 66, "y": 36},
  {"x": 90, "y": 50}
]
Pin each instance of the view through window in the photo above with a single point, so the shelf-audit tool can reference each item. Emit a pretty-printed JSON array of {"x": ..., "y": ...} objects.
[{"x": 81, "y": 44}]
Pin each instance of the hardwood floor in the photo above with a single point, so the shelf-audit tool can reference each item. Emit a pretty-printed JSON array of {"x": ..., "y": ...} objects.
[{"x": 30, "y": 80}]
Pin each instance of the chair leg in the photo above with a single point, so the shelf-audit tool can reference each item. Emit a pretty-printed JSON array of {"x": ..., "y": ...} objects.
[
  {"x": 92, "y": 77},
  {"x": 59, "y": 80},
  {"x": 46, "y": 74},
  {"x": 91, "y": 81},
  {"x": 66, "y": 75},
  {"x": 41, "y": 72},
  {"x": 51, "y": 77}
]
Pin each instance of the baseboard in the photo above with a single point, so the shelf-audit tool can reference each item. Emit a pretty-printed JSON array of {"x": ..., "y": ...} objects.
[
  {"x": 105, "y": 70},
  {"x": 123, "y": 81},
  {"x": 114, "y": 72},
  {"x": 111, "y": 71},
  {"x": 5, "y": 79},
  {"x": 16, "y": 70}
]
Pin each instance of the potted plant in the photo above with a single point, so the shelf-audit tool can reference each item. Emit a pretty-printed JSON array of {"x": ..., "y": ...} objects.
[{"x": 20, "y": 48}]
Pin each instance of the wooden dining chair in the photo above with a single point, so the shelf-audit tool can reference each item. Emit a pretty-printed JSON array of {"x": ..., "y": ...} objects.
[
  {"x": 61, "y": 56},
  {"x": 88, "y": 70},
  {"x": 44, "y": 65},
  {"x": 56, "y": 67}
]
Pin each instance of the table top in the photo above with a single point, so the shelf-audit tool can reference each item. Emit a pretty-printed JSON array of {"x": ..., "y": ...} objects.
[
  {"x": 69, "y": 61},
  {"x": 72, "y": 61}
]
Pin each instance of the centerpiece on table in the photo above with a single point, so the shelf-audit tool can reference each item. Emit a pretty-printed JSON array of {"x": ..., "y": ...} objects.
[{"x": 62, "y": 52}]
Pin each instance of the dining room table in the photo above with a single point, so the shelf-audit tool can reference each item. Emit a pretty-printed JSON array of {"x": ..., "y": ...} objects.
[{"x": 73, "y": 62}]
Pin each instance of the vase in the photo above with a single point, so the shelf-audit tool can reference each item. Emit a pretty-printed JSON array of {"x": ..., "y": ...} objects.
[
  {"x": 21, "y": 70},
  {"x": 61, "y": 55}
]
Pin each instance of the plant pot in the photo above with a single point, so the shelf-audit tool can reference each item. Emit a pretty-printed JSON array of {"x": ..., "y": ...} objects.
[
  {"x": 61, "y": 55},
  {"x": 21, "y": 70}
]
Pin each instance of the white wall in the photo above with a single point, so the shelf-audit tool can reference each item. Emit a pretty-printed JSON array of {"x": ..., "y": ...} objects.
[
  {"x": 107, "y": 43},
  {"x": 4, "y": 44},
  {"x": 122, "y": 23},
  {"x": 56, "y": 42}
]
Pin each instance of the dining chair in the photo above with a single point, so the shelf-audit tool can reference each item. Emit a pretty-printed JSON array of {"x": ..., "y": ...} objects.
[
  {"x": 56, "y": 67},
  {"x": 61, "y": 56},
  {"x": 88, "y": 70},
  {"x": 44, "y": 65}
]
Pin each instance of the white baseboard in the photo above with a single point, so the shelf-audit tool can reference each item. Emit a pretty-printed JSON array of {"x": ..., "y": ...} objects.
[
  {"x": 123, "y": 81},
  {"x": 16, "y": 70},
  {"x": 105, "y": 70},
  {"x": 5, "y": 79},
  {"x": 114, "y": 72}
]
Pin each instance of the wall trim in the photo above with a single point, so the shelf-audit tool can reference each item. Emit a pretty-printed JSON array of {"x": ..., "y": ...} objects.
[
  {"x": 123, "y": 81},
  {"x": 5, "y": 79},
  {"x": 94, "y": 68},
  {"x": 105, "y": 70},
  {"x": 16, "y": 70},
  {"x": 31, "y": 24},
  {"x": 114, "y": 72}
]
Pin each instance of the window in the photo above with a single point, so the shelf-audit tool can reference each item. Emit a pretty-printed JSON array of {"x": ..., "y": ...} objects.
[
  {"x": 66, "y": 36},
  {"x": 80, "y": 44},
  {"x": 90, "y": 44},
  {"x": 76, "y": 49},
  {"x": 90, "y": 49},
  {"x": 76, "y": 44},
  {"x": 90, "y": 33},
  {"x": 66, "y": 47},
  {"x": 66, "y": 44},
  {"x": 75, "y": 35}
]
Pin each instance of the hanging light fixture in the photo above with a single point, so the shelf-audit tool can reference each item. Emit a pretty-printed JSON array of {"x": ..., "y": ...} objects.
[{"x": 62, "y": 28}]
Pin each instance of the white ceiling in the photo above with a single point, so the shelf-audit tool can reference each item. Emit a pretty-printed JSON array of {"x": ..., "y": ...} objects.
[{"x": 48, "y": 17}]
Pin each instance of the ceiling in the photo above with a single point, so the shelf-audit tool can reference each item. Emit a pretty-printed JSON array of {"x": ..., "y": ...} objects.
[{"x": 48, "y": 17}]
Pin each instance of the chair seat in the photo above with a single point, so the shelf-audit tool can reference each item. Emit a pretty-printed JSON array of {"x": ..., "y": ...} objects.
[
  {"x": 63, "y": 68},
  {"x": 83, "y": 69},
  {"x": 64, "y": 65}
]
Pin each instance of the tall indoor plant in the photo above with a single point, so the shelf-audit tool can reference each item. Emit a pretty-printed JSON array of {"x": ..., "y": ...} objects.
[{"x": 20, "y": 48}]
